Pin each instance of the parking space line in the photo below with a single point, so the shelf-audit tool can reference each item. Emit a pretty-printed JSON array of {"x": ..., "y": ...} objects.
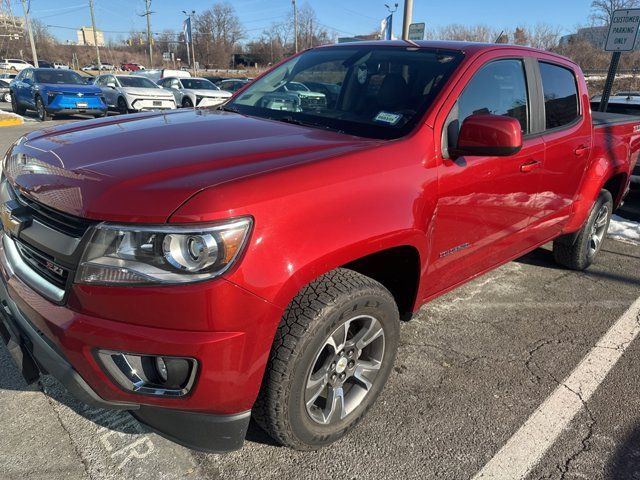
[{"x": 526, "y": 447}]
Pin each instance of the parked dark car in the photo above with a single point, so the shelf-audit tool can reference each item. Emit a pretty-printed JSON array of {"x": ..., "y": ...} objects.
[{"x": 51, "y": 91}]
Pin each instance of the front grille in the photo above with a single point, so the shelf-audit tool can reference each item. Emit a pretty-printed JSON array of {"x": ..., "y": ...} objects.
[
  {"x": 44, "y": 265},
  {"x": 313, "y": 102},
  {"x": 62, "y": 222}
]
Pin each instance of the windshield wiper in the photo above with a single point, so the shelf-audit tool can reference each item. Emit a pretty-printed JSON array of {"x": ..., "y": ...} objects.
[
  {"x": 295, "y": 121},
  {"x": 225, "y": 108}
]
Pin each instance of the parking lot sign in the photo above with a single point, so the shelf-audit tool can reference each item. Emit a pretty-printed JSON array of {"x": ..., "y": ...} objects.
[
  {"x": 416, "y": 31},
  {"x": 623, "y": 30}
]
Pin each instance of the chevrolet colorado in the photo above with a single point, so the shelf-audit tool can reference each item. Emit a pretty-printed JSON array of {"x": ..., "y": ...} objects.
[{"x": 199, "y": 266}]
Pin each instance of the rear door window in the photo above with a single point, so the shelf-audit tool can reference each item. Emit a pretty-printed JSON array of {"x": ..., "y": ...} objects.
[{"x": 560, "y": 95}]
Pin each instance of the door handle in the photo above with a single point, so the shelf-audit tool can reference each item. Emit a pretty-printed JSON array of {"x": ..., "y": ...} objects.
[
  {"x": 529, "y": 166},
  {"x": 581, "y": 149}
]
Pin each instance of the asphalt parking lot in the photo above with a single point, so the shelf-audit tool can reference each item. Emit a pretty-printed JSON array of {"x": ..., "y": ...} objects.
[{"x": 475, "y": 368}]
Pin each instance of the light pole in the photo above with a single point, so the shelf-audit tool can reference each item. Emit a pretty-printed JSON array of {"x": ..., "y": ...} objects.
[
  {"x": 408, "y": 13},
  {"x": 391, "y": 11},
  {"x": 193, "y": 51},
  {"x": 295, "y": 25}
]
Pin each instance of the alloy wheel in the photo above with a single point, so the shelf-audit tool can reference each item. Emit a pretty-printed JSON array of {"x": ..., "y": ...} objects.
[
  {"x": 344, "y": 369},
  {"x": 598, "y": 230}
]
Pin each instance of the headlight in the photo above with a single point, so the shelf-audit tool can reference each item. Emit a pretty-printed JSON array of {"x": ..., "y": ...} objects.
[
  {"x": 51, "y": 96},
  {"x": 122, "y": 254}
]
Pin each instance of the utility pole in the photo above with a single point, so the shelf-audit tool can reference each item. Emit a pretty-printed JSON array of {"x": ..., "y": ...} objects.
[
  {"x": 95, "y": 34},
  {"x": 147, "y": 14},
  {"x": 295, "y": 25},
  {"x": 408, "y": 13},
  {"x": 30, "y": 32},
  {"x": 193, "y": 51}
]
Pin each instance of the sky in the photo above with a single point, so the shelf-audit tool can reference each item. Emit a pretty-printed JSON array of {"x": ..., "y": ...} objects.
[{"x": 346, "y": 17}]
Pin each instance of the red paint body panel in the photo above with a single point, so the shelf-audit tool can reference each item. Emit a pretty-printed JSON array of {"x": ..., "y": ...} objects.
[{"x": 319, "y": 200}]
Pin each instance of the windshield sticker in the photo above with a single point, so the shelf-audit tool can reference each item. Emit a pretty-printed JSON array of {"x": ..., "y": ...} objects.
[{"x": 388, "y": 118}]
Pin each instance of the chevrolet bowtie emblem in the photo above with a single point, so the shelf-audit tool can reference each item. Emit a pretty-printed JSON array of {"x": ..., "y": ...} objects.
[
  {"x": 14, "y": 217},
  {"x": 80, "y": 94}
]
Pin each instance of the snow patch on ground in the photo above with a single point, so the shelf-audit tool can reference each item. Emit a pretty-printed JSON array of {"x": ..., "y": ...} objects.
[{"x": 624, "y": 230}]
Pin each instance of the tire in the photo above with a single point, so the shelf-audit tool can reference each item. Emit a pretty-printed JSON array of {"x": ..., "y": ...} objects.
[
  {"x": 305, "y": 369},
  {"x": 15, "y": 106},
  {"x": 6, "y": 97},
  {"x": 123, "y": 109},
  {"x": 187, "y": 103},
  {"x": 43, "y": 115},
  {"x": 578, "y": 251}
]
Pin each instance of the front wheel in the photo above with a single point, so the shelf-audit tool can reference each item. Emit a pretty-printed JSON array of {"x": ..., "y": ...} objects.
[
  {"x": 331, "y": 357},
  {"x": 123, "y": 109},
  {"x": 579, "y": 251},
  {"x": 15, "y": 106},
  {"x": 43, "y": 115}
]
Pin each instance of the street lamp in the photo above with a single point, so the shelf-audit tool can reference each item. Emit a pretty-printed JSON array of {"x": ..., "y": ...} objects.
[{"x": 391, "y": 12}]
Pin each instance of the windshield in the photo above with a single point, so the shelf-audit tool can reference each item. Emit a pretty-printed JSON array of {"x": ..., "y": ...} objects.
[
  {"x": 138, "y": 82},
  {"x": 370, "y": 91},
  {"x": 58, "y": 77},
  {"x": 198, "y": 84}
]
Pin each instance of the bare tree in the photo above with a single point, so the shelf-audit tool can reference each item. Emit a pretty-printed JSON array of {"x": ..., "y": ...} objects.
[
  {"x": 544, "y": 36},
  {"x": 602, "y": 10},
  {"x": 521, "y": 36},
  {"x": 217, "y": 33}
]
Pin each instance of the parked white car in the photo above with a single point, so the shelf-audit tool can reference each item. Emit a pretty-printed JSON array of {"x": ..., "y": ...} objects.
[
  {"x": 60, "y": 66},
  {"x": 89, "y": 68},
  {"x": 14, "y": 64},
  {"x": 194, "y": 92},
  {"x": 129, "y": 93},
  {"x": 107, "y": 66}
]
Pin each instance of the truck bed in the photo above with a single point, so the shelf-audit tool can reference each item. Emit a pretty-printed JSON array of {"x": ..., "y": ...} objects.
[{"x": 603, "y": 119}]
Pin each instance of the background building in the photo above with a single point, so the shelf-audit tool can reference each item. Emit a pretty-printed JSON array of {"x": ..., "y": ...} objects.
[{"x": 85, "y": 37}]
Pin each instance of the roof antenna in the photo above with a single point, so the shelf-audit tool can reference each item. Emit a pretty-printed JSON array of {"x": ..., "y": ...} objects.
[{"x": 499, "y": 37}]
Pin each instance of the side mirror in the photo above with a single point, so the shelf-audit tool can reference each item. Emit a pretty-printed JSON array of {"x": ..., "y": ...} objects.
[
  {"x": 111, "y": 85},
  {"x": 488, "y": 135}
]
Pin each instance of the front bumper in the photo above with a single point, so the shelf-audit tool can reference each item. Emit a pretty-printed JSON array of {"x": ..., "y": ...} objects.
[
  {"x": 148, "y": 104},
  {"x": 49, "y": 338}
]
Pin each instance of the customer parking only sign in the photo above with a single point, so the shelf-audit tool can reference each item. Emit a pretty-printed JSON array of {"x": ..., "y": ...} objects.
[{"x": 623, "y": 30}]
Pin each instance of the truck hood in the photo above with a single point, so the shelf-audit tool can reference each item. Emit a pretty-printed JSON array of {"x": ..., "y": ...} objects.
[
  {"x": 69, "y": 88},
  {"x": 147, "y": 92},
  {"x": 209, "y": 93},
  {"x": 141, "y": 168}
]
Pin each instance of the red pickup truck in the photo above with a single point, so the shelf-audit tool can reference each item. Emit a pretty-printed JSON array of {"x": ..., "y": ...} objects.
[{"x": 200, "y": 266}]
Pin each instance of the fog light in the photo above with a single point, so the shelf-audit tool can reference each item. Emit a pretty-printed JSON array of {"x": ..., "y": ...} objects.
[
  {"x": 150, "y": 374},
  {"x": 162, "y": 368}
]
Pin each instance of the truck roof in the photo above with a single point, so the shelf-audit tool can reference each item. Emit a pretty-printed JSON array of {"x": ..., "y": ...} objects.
[{"x": 463, "y": 46}]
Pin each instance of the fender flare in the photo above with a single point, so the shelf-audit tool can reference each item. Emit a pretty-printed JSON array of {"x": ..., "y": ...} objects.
[{"x": 596, "y": 176}]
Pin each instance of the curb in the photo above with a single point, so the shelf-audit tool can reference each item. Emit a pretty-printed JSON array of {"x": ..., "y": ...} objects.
[{"x": 10, "y": 120}]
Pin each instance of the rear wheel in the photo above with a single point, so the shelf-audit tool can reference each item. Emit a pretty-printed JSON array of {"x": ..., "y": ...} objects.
[
  {"x": 6, "y": 97},
  {"x": 43, "y": 115},
  {"x": 187, "y": 103},
  {"x": 578, "y": 252},
  {"x": 330, "y": 359}
]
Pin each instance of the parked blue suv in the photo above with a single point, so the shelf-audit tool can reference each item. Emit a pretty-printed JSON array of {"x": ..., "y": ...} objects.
[{"x": 51, "y": 92}]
